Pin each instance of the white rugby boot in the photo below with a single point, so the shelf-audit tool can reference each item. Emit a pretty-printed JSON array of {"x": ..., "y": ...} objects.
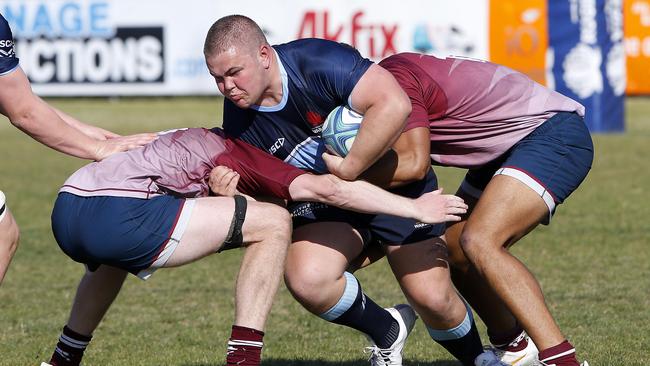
[
  {"x": 525, "y": 357},
  {"x": 488, "y": 358},
  {"x": 392, "y": 356}
]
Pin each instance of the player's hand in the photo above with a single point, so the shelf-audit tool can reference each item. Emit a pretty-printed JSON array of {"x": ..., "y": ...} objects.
[
  {"x": 111, "y": 145},
  {"x": 435, "y": 207},
  {"x": 223, "y": 181},
  {"x": 334, "y": 164}
]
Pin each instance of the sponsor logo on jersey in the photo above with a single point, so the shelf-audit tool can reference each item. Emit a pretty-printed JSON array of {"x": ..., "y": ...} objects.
[
  {"x": 306, "y": 209},
  {"x": 6, "y": 48},
  {"x": 276, "y": 145},
  {"x": 314, "y": 118},
  {"x": 421, "y": 225}
]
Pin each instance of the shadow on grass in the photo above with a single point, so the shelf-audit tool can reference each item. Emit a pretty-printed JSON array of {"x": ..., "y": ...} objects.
[{"x": 360, "y": 362}]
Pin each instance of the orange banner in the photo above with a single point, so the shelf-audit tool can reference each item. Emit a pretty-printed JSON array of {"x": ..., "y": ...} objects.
[
  {"x": 636, "y": 15},
  {"x": 519, "y": 36}
]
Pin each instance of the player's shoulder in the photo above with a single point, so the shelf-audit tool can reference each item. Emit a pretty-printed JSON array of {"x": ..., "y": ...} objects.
[
  {"x": 4, "y": 27},
  {"x": 8, "y": 60},
  {"x": 6, "y": 38},
  {"x": 316, "y": 49},
  {"x": 408, "y": 59}
]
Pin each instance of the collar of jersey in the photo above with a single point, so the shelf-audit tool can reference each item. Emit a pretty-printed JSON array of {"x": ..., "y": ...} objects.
[{"x": 285, "y": 90}]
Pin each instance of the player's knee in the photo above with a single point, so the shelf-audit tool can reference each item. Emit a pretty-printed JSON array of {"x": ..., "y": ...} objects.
[
  {"x": 271, "y": 221},
  {"x": 437, "y": 302},
  {"x": 305, "y": 281},
  {"x": 278, "y": 221},
  {"x": 472, "y": 243}
]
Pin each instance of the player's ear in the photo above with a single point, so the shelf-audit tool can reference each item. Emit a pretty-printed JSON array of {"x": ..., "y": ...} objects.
[{"x": 264, "y": 55}]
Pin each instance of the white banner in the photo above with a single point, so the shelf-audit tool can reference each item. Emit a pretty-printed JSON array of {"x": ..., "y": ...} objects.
[{"x": 154, "y": 47}]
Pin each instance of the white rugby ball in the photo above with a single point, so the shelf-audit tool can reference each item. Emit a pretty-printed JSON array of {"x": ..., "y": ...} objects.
[{"x": 339, "y": 130}]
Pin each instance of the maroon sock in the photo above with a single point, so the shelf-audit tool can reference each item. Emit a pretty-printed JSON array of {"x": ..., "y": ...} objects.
[
  {"x": 70, "y": 348},
  {"x": 513, "y": 340},
  {"x": 561, "y": 355},
  {"x": 244, "y": 346}
]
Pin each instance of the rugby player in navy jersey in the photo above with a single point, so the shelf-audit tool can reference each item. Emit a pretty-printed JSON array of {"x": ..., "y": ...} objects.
[
  {"x": 47, "y": 125},
  {"x": 149, "y": 208},
  {"x": 276, "y": 99}
]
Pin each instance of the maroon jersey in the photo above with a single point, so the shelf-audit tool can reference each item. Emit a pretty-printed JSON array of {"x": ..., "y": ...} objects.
[
  {"x": 179, "y": 163},
  {"x": 475, "y": 110}
]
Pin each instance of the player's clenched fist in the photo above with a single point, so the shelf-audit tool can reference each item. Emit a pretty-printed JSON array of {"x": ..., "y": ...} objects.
[{"x": 223, "y": 181}]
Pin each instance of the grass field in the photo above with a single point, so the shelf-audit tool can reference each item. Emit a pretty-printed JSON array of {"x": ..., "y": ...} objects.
[{"x": 593, "y": 263}]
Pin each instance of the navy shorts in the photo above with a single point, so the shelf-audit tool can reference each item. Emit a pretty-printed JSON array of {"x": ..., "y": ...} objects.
[
  {"x": 137, "y": 235},
  {"x": 552, "y": 160},
  {"x": 383, "y": 229}
]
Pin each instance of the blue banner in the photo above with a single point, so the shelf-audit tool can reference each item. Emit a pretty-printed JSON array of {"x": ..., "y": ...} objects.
[{"x": 587, "y": 58}]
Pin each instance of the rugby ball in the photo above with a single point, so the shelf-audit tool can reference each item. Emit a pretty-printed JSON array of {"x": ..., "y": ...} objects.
[{"x": 339, "y": 130}]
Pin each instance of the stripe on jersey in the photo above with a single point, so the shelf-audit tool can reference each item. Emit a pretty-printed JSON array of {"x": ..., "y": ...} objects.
[{"x": 307, "y": 155}]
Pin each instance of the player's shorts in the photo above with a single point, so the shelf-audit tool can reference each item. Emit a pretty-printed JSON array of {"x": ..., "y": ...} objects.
[
  {"x": 383, "y": 229},
  {"x": 552, "y": 160},
  {"x": 137, "y": 235},
  {"x": 3, "y": 206}
]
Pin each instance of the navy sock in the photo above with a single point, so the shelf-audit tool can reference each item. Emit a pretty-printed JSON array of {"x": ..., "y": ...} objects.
[
  {"x": 462, "y": 341},
  {"x": 358, "y": 311}
]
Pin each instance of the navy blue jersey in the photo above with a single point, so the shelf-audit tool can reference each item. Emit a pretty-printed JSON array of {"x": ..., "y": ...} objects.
[
  {"x": 8, "y": 60},
  {"x": 317, "y": 76}
]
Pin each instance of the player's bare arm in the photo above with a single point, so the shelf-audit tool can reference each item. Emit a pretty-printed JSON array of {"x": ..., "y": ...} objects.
[
  {"x": 385, "y": 107},
  {"x": 408, "y": 161},
  {"x": 432, "y": 208},
  {"x": 361, "y": 196},
  {"x": 108, "y": 142},
  {"x": 33, "y": 116}
]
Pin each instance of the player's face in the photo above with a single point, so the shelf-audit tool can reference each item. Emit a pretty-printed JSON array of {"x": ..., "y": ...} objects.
[{"x": 240, "y": 75}]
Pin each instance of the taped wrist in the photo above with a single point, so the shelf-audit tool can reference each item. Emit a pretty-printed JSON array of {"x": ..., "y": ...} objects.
[{"x": 234, "y": 239}]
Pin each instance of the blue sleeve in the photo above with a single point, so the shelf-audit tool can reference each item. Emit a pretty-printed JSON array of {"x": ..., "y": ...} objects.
[
  {"x": 8, "y": 60},
  {"x": 329, "y": 67}
]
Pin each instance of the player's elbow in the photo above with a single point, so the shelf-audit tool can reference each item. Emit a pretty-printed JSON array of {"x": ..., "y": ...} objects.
[
  {"x": 402, "y": 105},
  {"x": 413, "y": 167}
]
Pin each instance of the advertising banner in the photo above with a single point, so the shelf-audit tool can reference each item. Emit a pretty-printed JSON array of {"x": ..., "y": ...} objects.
[
  {"x": 519, "y": 36},
  {"x": 637, "y": 45},
  {"x": 587, "y": 58},
  {"x": 105, "y": 47},
  {"x": 154, "y": 47},
  {"x": 377, "y": 28}
]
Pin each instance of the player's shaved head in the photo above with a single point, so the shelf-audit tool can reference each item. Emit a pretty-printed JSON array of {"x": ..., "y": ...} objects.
[{"x": 235, "y": 31}]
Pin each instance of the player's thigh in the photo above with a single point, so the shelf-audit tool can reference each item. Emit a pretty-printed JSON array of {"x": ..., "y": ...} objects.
[
  {"x": 210, "y": 225},
  {"x": 420, "y": 267},
  {"x": 507, "y": 210},
  {"x": 323, "y": 250}
]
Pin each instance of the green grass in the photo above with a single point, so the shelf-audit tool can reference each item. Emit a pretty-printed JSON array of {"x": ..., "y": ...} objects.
[{"x": 593, "y": 263}]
